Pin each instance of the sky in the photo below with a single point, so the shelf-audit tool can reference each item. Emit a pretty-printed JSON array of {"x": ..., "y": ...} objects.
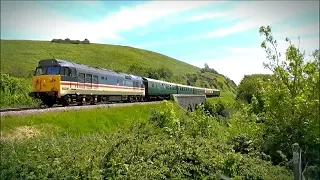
[{"x": 223, "y": 34}]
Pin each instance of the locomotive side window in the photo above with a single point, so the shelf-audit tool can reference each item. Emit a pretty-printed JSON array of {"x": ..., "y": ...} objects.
[
  {"x": 102, "y": 77},
  {"x": 65, "y": 71},
  {"x": 81, "y": 78}
]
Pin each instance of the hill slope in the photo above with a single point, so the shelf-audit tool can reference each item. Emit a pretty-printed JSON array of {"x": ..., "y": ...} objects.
[{"x": 20, "y": 57}]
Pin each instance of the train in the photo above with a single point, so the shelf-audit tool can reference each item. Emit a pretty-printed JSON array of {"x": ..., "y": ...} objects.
[{"x": 62, "y": 82}]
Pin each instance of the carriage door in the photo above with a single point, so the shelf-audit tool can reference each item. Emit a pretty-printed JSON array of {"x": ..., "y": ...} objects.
[
  {"x": 67, "y": 77},
  {"x": 81, "y": 81},
  {"x": 95, "y": 82},
  {"x": 88, "y": 81}
]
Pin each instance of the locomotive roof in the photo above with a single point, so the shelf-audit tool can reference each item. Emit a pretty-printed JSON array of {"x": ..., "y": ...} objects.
[
  {"x": 159, "y": 81},
  {"x": 82, "y": 66}
]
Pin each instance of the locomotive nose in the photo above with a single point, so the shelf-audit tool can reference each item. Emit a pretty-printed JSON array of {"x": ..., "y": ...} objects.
[{"x": 45, "y": 83}]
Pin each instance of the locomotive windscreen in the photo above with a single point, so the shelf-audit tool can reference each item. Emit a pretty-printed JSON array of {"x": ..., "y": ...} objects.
[{"x": 47, "y": 70}]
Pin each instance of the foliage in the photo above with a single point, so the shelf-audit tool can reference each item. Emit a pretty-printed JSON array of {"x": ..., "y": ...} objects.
[
  {"x": 14, "y": 92},
  {"x": 291, "y": 101},
  {"x": 169, "y": 145},
  {"x": 67, "y": 40},
  {"x": 208, "y": 69}
]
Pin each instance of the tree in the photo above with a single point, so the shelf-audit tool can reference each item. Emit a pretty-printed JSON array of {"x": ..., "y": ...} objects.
[
  {"x": 137, "y": 70},
  {"x": 206, "y": 66},
  {"x": 164, "y": 73},
  {"x": 291, "y": 100},
  {"x": 253, "y": 86}
]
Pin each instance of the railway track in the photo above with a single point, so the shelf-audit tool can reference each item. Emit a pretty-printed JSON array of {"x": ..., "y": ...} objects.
[{"x": 40, "y": 110}]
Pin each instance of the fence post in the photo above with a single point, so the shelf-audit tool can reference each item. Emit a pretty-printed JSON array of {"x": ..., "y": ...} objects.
[{"x": 296, "y": 161}]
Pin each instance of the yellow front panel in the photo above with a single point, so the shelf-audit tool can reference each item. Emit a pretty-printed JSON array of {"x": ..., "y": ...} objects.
[{"x": 46, "y": 83}]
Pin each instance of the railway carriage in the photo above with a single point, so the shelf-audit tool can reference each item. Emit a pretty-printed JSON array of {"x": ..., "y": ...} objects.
[
  {"x": 211, "y": 92},
  {"x": 198, "y": 90},
  {"x": 63, "y": 82},
  {"x": 184, "y": 89},
  {"x": 156, "y": 89}
]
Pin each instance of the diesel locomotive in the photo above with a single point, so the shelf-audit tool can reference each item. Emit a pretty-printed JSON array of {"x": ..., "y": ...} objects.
[{"x": 57, "y": 81}]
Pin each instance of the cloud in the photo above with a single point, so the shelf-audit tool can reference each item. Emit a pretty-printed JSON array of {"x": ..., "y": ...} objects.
[
  {"x": 45, "y": 23},
  {"x": 305, "y": 30},
  {"x": 241, "y": 51},
  {"x": 236, "y": 66},
  {"x": 254, "y": 14},
  {"x": 207, "y": 16},
  {"x": 241, "y": 61}
]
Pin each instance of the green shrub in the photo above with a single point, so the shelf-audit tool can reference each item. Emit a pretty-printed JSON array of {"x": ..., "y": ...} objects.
[{"x": 14, "y": 92}]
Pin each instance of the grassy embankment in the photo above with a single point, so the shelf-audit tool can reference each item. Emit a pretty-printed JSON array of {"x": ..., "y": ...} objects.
[
  {"x": 148, "y": 142},
  {"x": 20, "y": 57}
]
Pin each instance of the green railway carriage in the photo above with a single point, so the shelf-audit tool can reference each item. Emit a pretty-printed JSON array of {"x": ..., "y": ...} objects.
[
  {"x": 198, "y": 90},
  {"x": 212, "y": 92},
  {"x": 183, "y": 89},
  {"x": 216, "y": 93},
  {"x": 156, "y": 89}
]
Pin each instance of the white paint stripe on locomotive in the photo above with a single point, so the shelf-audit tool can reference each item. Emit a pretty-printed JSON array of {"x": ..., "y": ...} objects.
[
  {"x": 66, "y": 89},
  {"x": 104, "y": 85}
]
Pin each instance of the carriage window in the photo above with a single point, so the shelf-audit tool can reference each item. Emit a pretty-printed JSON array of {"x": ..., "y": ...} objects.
[
  {"x": 102, "y": 77},
  {"x": 88, "y": 78},
  {"x": 81, "y": 78}
]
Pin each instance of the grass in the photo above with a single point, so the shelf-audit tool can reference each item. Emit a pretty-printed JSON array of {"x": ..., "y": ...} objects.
[
  {"x": 225, "y": 97},
  {"x": 20, "y": 57},
  {"x": 24, "y": 55},
  {"x": 79, "y": 122}
]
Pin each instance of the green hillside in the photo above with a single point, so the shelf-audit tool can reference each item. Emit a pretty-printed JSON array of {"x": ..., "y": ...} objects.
[{"x": 20, "y": 57}]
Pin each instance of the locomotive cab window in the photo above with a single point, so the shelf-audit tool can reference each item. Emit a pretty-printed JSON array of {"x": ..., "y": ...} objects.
[{"x": 47, "y": 70}]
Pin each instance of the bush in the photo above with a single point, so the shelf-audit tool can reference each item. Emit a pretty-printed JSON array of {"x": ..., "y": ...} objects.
[{"x": 14, "y": 92}]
